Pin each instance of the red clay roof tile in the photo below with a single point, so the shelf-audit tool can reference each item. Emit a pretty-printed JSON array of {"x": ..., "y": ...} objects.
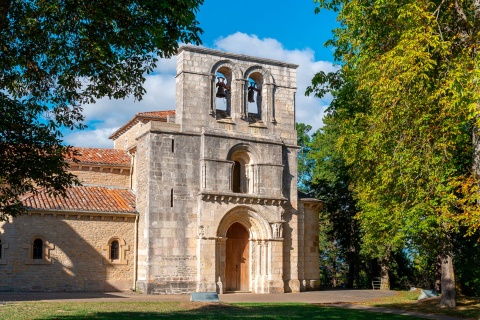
[
  {"x": 103, "y": 156},
  {"x": 157, "y": 114},
  {"x": 83, "y": 198}
]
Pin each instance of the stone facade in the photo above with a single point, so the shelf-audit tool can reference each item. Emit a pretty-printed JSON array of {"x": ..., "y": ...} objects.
[
  {"x": 216, "y": 206},
  {"x": 103, "y": 175},
  {"x": 75, "y": 252},
  {"x": 190, "y": 196}
]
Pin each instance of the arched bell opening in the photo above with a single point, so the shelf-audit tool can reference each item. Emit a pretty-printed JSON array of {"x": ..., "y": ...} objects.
[
  {"x": 254, "y": 96},
  {"x": 223, "y": 93}
]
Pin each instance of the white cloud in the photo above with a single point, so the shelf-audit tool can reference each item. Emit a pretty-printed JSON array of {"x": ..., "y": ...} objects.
[
  {"x": 97, "y": 138},
  {"x": 105, "y": 116}
]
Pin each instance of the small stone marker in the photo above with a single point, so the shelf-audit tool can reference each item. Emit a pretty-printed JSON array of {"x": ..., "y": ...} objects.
[
  {"x": 204, "y": 297},
  {"x": 424, "y": 294}
]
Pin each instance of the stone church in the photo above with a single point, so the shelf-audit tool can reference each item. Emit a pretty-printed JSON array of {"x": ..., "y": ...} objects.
[{"x": 202, "y": 198}]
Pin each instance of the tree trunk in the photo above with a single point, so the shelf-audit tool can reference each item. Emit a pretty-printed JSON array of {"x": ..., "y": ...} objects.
[
  {"x": 448, "y": 282},
  {"x": 385, "y": 284},
  {"x": 4, "y": 8},
  {"x": 437, "y": 285},
  {"x": 334, "y": 273},
  {"x": 351, "y": 270}
]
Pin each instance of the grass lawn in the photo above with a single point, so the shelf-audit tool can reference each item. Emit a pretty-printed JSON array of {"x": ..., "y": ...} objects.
[
  {"x": 467, "y": 307},
  {"x": 180, "y": 310}
]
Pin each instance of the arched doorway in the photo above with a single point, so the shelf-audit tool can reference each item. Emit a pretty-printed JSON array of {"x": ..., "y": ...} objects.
[{"x": 237, "y": 267}]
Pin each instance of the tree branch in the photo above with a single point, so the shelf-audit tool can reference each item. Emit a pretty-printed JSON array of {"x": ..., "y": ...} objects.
[
  {"x": 462, "y": 19},
  {"x": 476, "y": 15},
  {"x": 4, "y": 8}
]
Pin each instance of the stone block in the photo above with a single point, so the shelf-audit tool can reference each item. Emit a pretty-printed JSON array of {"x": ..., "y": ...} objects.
[{"x": 204, "y": 297}]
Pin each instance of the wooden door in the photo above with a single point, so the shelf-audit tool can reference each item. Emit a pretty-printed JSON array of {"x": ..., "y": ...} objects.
[{"x": 237, "y": 264}]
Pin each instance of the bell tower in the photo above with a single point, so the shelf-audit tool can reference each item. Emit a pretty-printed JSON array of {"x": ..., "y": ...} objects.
[
  {"x": 219, "y": 196},
  {"x": 235, "y": 92}
]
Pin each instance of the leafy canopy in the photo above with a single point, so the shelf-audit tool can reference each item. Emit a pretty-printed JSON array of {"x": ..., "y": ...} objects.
[
  {"x": 59, "y": 54},
  {"x": 407, "y": 129}
]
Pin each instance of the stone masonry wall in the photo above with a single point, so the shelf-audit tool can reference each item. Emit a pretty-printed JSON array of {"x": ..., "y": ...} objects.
[
  {"x": 311, "y": 258},
  {"x": 185, "y": 176},
  {"x": 128, "y": 139},
  {"x": 196, "y": 68},
  {"x": 142, "y": 167},
  {"x": 76, "y": 253},
  {"x": 102, "y": 176},
  {"x": 172, "y": 185}
]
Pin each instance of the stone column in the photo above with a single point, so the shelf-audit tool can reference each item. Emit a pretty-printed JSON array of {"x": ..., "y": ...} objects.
[
  {"x": 270, "y": 112},
  {"x": 220, "y": 263},
  {"x": 213, "y": 93},
  {"x": 275, "y": 268},
  {"x": 275, "y": 245}
]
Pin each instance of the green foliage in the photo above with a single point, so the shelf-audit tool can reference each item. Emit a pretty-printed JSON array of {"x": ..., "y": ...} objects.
[
  {"x": 406, "y": 109},
  {"x": 333, "y": 267},
  {"x": 30, "y": 156},
  {"x": 467, "y": 258},
  {"x": 304, "y": 163},
  {"x": 411, "y": 136},
  {"x": 339, "y": 233},
  {"x": 58, "y": 55}
]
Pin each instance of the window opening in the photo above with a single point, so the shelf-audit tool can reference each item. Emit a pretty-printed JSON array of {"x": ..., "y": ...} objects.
[
  {"x": 223, "y": 92},
  {"x": 114, "y": 250},
  {"x": 38, "y": 249},
  {"x": 173, "y": 145},
  {"x": 252, "y": 90},
  {"x": 237, "y": 177},
  {"x": 241, "y": 172},
  {"x": 254, "y": 97},
  {"x": 171, "y": 198}
]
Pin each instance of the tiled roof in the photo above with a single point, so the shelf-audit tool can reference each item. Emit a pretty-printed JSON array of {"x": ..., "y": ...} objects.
[
  {"x": 144, "y": 117},
  {"x": 103, "y": 156},
  {"x": 157, "y": 114},
  {"x": 82, "y": 198}
]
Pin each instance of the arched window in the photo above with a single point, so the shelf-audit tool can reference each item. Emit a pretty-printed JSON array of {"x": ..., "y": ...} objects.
[
  {"x": 114, "y": 250},
  {"x": 37, "y": 252},
  {"x": 237, "y": 177},
  {"x": 242, "y": 172},
  {"x": 254, "y": 97},
  {"x": 223, "y": 93}
]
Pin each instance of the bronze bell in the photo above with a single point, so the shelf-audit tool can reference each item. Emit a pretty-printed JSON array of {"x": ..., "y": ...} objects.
[
  {"x": 221, "y": 89},
  {"x": 251, "y": 94}
]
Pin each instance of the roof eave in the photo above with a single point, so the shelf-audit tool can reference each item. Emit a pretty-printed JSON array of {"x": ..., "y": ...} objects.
[{"x": 84, "y": 212}]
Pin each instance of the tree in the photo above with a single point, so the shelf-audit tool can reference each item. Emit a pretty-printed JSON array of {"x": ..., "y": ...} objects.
[
  {"x": 304, "y": 162},
  {"x": 331, "y": 183},
  {"x": 414, "y": 67},
  {"x": 57, "y": 55}
]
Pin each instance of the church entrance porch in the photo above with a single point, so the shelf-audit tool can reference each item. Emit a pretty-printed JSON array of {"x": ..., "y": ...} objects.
[
  {"x": 237, "y": 271},
  {"x": 248, "y": 255}
]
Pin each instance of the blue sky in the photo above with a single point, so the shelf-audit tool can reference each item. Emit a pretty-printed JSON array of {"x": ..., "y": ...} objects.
[{"x": 282, "y": 30}]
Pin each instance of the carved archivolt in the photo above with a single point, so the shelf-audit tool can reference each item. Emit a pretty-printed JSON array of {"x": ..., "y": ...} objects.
[{"x": 257, "y": 226}]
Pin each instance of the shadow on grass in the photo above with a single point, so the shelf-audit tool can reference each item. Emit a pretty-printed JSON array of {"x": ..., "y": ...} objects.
[
  {"x": 237, "y": 311},
  {"x": 36, "y": 296},
  {"x": 466, "y": 307}
]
